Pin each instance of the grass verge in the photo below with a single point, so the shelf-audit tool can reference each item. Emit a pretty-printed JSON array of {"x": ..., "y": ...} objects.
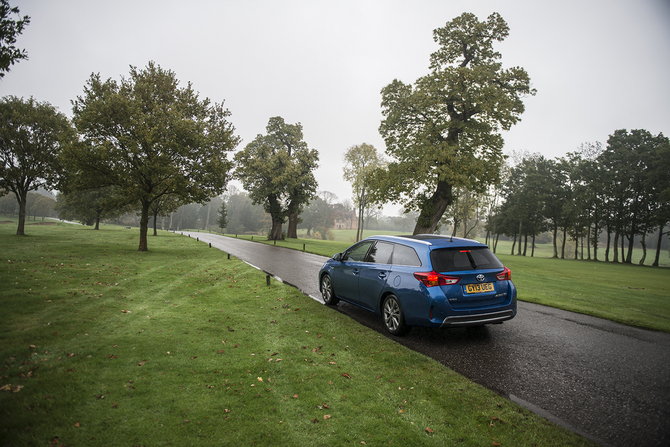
[{"x": 103, "y": 345}]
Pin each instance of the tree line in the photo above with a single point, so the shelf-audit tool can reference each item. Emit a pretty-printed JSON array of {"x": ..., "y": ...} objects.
[
  {"x": 148, "y": 145},
  {"x": 611, "y": 195}
]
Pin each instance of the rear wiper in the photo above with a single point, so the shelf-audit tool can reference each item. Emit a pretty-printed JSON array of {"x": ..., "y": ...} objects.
[{"x": 473, "y": 264}]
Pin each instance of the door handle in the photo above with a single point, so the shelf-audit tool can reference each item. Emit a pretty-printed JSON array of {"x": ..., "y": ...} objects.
[
  {"x": 382, "y": 275},
  {"x": 355, "y": 271}
]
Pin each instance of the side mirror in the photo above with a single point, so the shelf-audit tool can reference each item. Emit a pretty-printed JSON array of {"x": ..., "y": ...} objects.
[{"x": 338, "y": 257}]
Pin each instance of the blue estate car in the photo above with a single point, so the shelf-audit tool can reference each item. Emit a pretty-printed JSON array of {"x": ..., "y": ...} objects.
[{"x": 421, "y": 280}]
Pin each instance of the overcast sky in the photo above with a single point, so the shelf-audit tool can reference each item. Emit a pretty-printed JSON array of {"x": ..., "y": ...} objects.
[{"x": 597, "y": 65}]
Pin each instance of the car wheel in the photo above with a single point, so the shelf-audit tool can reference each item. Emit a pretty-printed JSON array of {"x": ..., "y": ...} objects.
[
  {"x": 394, "y": 319},
  {"x": 327, "y": 292}
]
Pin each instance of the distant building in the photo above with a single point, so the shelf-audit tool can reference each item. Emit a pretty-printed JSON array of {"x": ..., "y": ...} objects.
[{"x": 343, "y": 219}]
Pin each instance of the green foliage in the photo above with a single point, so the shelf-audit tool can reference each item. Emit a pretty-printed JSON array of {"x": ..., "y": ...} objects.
[
  {"x": 150, "y": 138},
  {"x": 9, "y": 30},
  {"x": 244, "y": 216},
  {"x": 185, "y": 347},
  {"x": 318, "y": 214},
  {"x": 445, "y": 130},
  {"x": 91, "y": 206},
  {"x": 360, "y": 162},
  {"x": 32, "y": 136},
  {"x": 276, "y": 169},
  {"x": 222, "y": 220},
  {"x": 621, "y": 190}
]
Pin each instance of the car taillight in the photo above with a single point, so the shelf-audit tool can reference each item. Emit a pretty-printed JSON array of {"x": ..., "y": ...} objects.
[
  {"x": 432, "y": 279},
  {"x": 505, "y": 275}
]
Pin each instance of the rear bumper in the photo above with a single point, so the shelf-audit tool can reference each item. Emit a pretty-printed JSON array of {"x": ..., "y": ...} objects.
[{"x": 479, "y": 319}]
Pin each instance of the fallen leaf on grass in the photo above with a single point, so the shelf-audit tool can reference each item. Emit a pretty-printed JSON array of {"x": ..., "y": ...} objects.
[
  {"x": 346, "y": 375},
  {"x": 326, "y": 417},
  {"x": 295, "y": 396},
  {"x": 76, "y": 424},
  {"x": 429, "y": 430},
  {"x": 125, "y": 311},
  {"x": 13, "y": 389}
]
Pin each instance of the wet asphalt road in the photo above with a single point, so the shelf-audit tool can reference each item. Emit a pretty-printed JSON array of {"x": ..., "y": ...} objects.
[{"x": 605, "y": 381}]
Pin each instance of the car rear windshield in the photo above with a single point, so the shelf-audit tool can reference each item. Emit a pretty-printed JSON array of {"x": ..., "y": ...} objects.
[{"x": 457, "y": 259}]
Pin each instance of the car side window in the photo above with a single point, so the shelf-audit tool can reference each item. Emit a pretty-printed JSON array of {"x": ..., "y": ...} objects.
[
  {"x": 357, "y": 252},
  {"x": 404, "y": 255},
  {"x": 380, "y": 253}
]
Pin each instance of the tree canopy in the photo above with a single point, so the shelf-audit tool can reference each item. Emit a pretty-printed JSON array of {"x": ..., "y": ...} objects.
[
  {"x": 32, "y": 136},
  {"x": 277, "y": 170},
  {"x": 445, "y": 129},
  {"x": 9, "y": 30},
  {"x": 360, "y": 161},
  {"x": 150, "y": 138}
]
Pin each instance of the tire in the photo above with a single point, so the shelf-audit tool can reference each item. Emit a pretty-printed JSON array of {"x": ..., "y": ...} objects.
[
  {"x": 394, "y": 319},
  {"x": 327, "y": 292}
]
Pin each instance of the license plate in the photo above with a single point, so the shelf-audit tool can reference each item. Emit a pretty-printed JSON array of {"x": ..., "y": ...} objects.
[{"x": 479, "y": 288}]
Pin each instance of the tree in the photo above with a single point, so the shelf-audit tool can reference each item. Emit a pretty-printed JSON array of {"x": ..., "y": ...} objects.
[
  {"x": 151, "y": 138},
  {"x": 632, "y": 157},
  {"x": 9, "y": 30},
  {"x": 360, "y": 162},
  {"x": 243, "y": 214},
  {"x": 317, "y": 215},
  {"x": 91, "y": 206},
  {"x": 164, "y": 206},
  {"x": 445, "y": 130},
  {"x": 222, "y": 219},
  {"x": 32, "y": 136},
  {"x": 276, "y": 169}
]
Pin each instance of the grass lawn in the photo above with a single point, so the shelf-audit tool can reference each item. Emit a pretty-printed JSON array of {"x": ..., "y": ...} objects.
[{"x": 103, "y": 345}]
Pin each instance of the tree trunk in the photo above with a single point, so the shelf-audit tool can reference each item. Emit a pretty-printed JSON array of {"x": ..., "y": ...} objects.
[
  {"x": 629, "y": 256},
  {"x": 616, "y": 248},
  {"x": 495, "y": 243},
  {"x": 292, "y": 232},
  {"x": 525, "y": 244},
  {"x": 275, "y": 234},
  {"x": 555, "y": 235},
  {"x": 513, "y": 245},
  {"x": 432, "y": 213},
  {"x": 155, "y": 220},
  {"x": 532, "y": 246},
  {"x": 144, "y": 225},
  {"x": 607, "y": 247},
  {"x": 520, "y": 227},
  {"x": 22, "y": 199},
  {"x": 565, "y": 231},
  {"x": 644, "y": 247},
  {"x": 97, "y": 221},
  {"x": 209, "y": 206},
  {"x": 658, "y": 246},
  {"x": 361, "y": 221}
]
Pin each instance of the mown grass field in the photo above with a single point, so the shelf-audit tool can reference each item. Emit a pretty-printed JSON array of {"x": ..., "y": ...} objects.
[{"x": 103, "y": 345}]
